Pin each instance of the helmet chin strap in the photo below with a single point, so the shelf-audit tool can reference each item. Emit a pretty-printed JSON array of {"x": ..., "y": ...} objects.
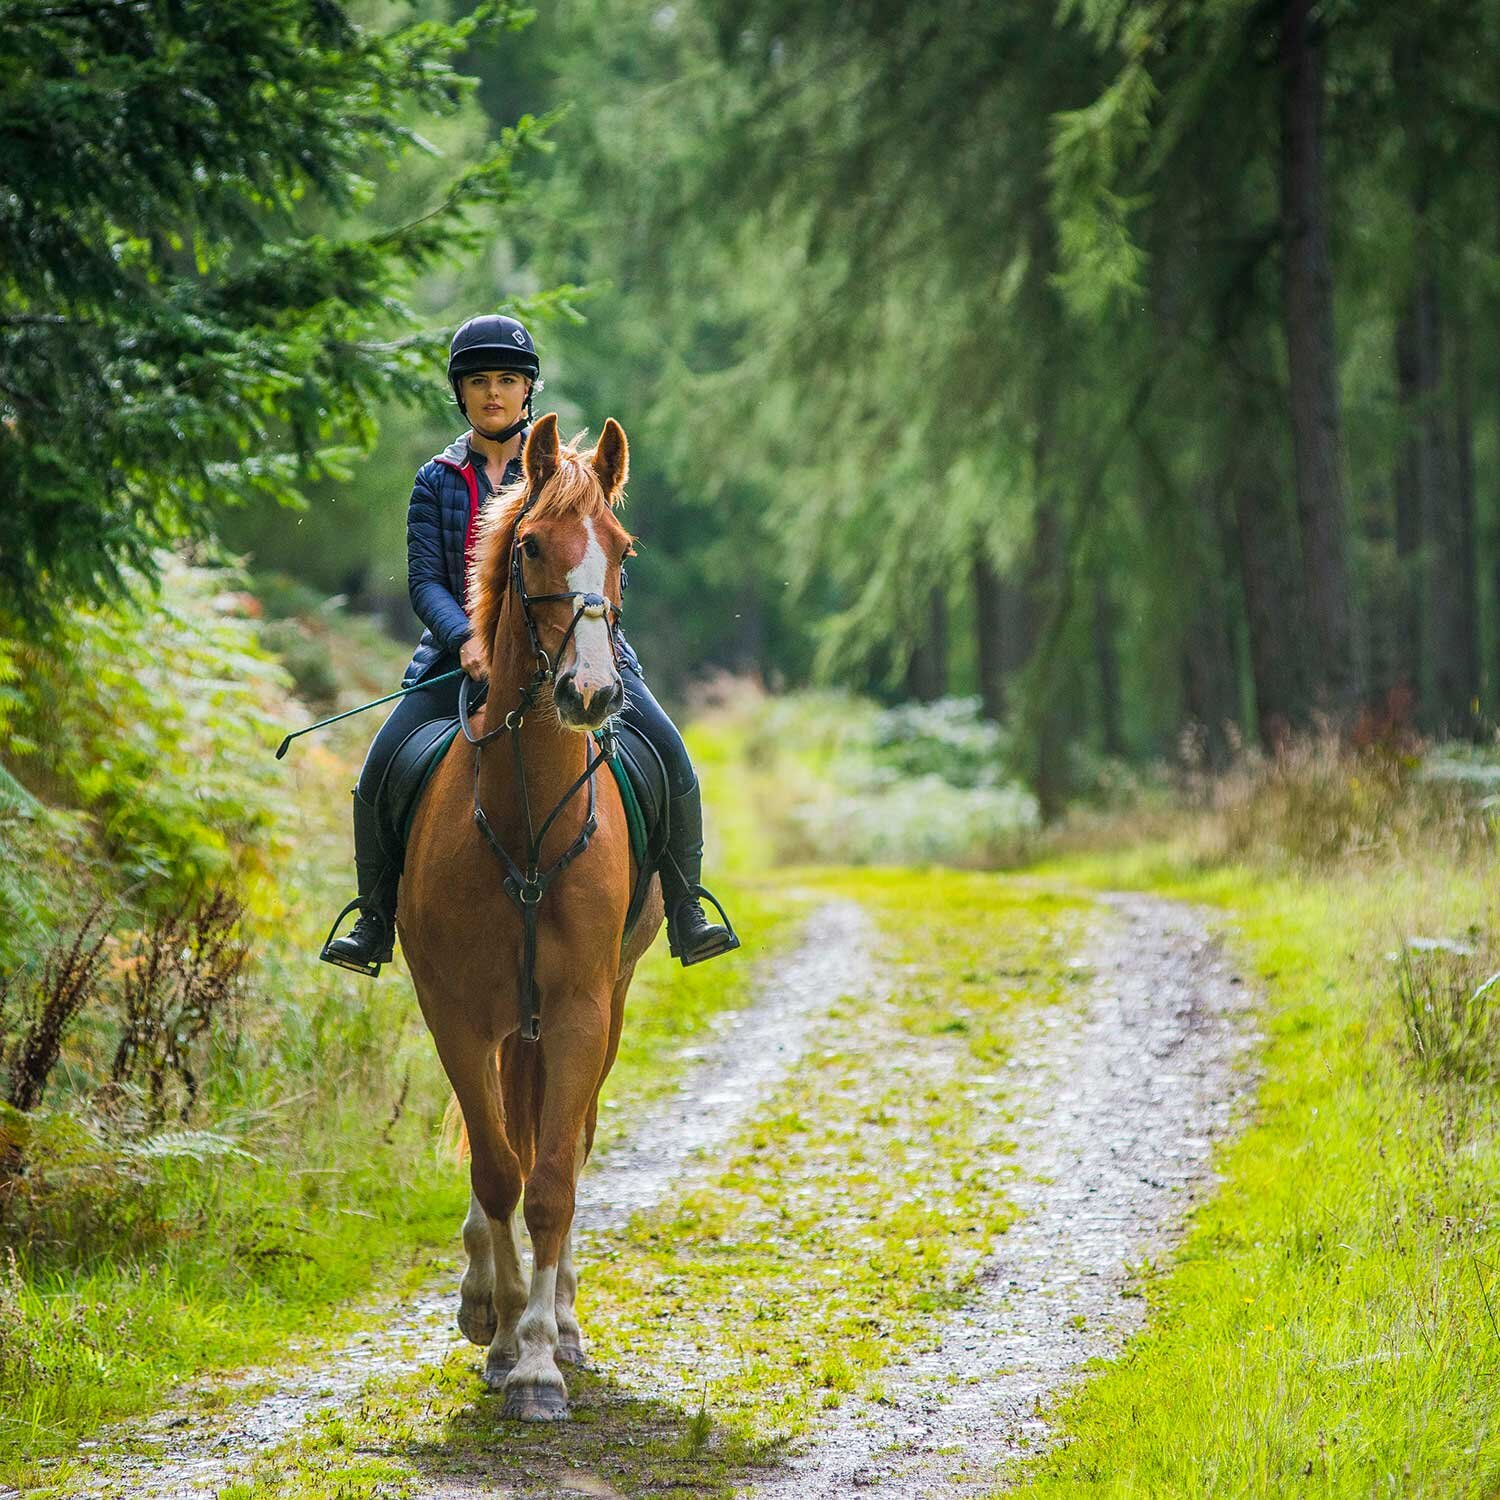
[{"x": 505, "y": 434}]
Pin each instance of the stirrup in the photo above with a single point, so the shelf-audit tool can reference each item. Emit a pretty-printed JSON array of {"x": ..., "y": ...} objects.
[
  {"x": 371, "y": 970},
  {"x": 726, "y": 944}
]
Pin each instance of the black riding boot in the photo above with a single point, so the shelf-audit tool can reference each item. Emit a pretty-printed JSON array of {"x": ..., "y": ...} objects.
[
  {"x": 370, "y": 944},
  {"x": 690, "y": 935}
]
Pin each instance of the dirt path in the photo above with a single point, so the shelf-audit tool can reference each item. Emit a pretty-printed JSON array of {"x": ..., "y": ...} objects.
[
  {"x": 186, "y": 1455},
  {"x": 1118, "y": 1099},
  {"x": 1117, "y": 1116}
]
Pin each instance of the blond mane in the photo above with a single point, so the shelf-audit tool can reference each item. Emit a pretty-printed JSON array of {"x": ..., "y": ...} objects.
[{"x": 573, "y": 490}]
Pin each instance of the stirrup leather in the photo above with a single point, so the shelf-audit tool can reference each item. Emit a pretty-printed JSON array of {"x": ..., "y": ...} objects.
[
  {"x": 372, "y": 968},
  {"x": 725, "y": 944}
]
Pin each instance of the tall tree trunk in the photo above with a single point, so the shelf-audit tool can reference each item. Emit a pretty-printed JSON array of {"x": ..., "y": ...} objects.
[
  {"x": 1046, "y": 587},
  {"x": 1266, "y": 559},
  {"x": 1209, "y": 686},
  {"x": 1442, "y": 469},
  {"x": 1307, "y": 315},
  {"x": 1107, "y": 663},
  {"x": 991, "y": 626},
  {"x": 927, "y": 669},
  {"x": 1408, "y": 486},
  {"x": 1466, "y": 622}
]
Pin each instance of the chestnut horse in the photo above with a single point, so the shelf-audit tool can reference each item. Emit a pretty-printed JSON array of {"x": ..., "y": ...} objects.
[{"x": 529, "y": 1107}]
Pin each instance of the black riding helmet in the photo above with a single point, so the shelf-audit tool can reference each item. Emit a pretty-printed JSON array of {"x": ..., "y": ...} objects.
[{"x": 494, "y": 342}]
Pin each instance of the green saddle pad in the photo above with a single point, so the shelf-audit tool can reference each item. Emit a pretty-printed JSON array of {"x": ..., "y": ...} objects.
[{"x": 422, "y": 751}]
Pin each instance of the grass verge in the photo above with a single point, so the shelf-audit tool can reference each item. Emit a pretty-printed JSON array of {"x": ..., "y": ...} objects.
[{"x": 1329, "y": 1325}]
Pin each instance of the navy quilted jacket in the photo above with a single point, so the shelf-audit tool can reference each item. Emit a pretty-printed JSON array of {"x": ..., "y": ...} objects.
[{"x": 437, "y": 525}]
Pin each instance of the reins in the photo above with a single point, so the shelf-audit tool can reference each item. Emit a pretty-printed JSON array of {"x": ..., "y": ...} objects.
[{"x": 526, "y": 886}]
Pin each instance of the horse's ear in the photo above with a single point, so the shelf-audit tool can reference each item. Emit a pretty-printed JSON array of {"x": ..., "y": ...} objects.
[
  {"x": 612, "y": 459},
  {"x": 541, "y": 451}
]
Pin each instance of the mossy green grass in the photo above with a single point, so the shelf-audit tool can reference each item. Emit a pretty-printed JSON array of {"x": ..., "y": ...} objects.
[{"x": 1329, "y": 1324}]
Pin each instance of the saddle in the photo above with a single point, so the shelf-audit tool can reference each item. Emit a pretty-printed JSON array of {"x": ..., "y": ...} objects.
[{"x": 635, "y": 765}]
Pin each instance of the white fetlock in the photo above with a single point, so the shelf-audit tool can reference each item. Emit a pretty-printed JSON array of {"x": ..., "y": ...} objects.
[{"x": 535, "y": 1390}]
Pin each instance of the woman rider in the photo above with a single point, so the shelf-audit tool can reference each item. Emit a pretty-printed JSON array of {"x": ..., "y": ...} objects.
[{"x": 494, "y": 373}]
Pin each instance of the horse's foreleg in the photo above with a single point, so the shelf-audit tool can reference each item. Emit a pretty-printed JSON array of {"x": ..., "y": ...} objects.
[
  {"x": 492, "y": 1295},
  {"x": 476, "y": 1292},
  {"x": 569, "y": 1334},
  {"x": 536, "y": 1391}
]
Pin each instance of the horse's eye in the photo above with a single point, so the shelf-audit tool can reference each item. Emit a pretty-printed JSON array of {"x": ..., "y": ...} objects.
[{"x": 530, "y": 548}]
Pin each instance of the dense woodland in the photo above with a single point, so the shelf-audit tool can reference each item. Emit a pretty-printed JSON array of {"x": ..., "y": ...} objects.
[{"x": 1123, "y": 363}]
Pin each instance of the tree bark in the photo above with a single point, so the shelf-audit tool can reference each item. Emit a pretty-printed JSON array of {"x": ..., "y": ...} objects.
[
  {"x": 927, "y": 668},
  {"x": 1264, "y": 539},
  {"x": 1408, "y": 486},
  {"x": 1209, "y": 666},
  {"x": 1464, "y": 533},
  {"x": 1438, "y": 465},
  {"x": 1266, "y": 559},
  {"x": 1047, "y": 597},
  {"x": 1107, "y": 663},
  {"x": 1307, "y": 315},
  {"x": 992, "y": 629}
]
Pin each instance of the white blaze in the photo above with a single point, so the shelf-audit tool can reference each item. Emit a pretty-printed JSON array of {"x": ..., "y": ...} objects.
[{"x": 594, "y": 662}]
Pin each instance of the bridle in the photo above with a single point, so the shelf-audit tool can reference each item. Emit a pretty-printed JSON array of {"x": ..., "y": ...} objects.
[{"x": 526, "y": 886}]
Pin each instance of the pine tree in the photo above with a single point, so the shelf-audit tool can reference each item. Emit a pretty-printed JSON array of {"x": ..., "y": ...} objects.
[{"x": 178, "y": 327}]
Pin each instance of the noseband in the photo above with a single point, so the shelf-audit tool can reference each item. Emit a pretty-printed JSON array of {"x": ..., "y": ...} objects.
[{"x": 526, "y": 886}]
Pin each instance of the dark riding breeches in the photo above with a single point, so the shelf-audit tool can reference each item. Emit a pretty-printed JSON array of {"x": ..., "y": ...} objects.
[
  {"x": 437, "y": 700},
  {"x": 646, "y": 714}
]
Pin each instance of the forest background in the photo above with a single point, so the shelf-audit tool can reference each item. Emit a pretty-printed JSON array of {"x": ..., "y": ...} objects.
[
  {"x": 1053, "y": 406},
  {"x": 1114, "y": 362}
]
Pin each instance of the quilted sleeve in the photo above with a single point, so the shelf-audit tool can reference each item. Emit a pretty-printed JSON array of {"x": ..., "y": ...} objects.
[{"x": 426, "y": 576}]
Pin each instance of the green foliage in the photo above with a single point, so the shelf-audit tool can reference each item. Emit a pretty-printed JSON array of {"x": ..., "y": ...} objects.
[
  {"x": 1448, "y": 1004},
  {"x": 178, "y": 329},
  {"x": 157, "y": 718},
  {"x": 837, "y": 780},
  {"x": 950, "y": 739},
  {"x": 1318, "y": 803}
]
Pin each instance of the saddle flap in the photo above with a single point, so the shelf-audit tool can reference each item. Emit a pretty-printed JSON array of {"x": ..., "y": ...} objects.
[
  {"x": 406, "y": 778},
  {"x": 644, "y": 781}
]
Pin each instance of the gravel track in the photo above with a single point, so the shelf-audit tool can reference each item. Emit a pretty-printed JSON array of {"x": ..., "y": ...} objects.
[
  {"x": 186, "y": 1455},
  {"x": 1120, "y": 1098},
  {"x": 1119, "y": 1110}
]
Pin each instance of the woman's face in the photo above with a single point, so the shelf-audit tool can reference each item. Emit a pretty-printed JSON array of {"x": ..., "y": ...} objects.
[{"x": 493, "y": 399}]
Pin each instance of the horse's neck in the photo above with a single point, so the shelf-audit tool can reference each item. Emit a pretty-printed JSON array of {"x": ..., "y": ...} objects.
[{"x": 554, "y": 757}]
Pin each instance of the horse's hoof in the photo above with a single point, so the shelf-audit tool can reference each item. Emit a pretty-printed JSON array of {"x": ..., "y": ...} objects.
[
  {"x": 570, "y": 1351},
  {"x": 477, "y": 1321},
  {"x": 536, "y": 1403},
  {"x": 497, "y": 1372}
]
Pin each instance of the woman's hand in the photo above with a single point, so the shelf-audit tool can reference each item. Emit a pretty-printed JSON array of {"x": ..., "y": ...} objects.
[{"x": 471, "y": 658}]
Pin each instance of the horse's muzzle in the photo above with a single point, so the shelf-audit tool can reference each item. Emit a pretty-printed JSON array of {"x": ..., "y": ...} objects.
[{"x": 585, "y": 708}]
